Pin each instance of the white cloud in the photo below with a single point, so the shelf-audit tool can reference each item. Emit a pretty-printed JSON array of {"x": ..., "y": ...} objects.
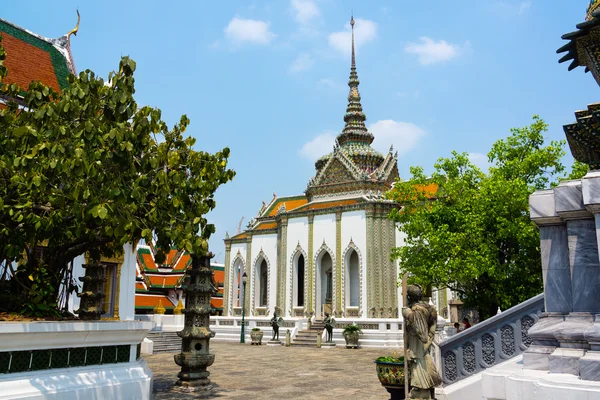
[
  {"x": 305, "y": 10},
  {"x": 404, "y": 136},
  {"x": 431, "y": 52},
  {"x": 319, "y": 146},
  {"x": 480, "y": 161},
  {"x": 524, "y": 6},
  {"x": 364, "y": 32},
  {"x": 303, "y": 62},
  {"x": 249, "y": 31}
]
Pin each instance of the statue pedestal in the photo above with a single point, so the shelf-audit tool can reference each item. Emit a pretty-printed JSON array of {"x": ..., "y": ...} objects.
[
  {"x": 327, "y": 345},
  {"x": 274, "y": 343}
]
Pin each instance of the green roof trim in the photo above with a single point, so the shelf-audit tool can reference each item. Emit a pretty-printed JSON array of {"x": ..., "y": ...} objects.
[{"x": 59, "y": 63}]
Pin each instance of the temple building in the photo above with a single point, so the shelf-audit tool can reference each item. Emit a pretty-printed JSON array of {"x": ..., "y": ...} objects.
[
  {"x": 161, "y": 284},
  {"x": 327, "y": 250}
]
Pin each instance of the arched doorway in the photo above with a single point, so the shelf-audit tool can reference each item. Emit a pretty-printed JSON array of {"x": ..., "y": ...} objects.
[
  {"x": 351, "y": 279},
  {"x": 324, "y": 284},
  {"x": 298, "y": 281},
  {"x": 236, "y": 292},
  {"x": 261, "y": 292}
]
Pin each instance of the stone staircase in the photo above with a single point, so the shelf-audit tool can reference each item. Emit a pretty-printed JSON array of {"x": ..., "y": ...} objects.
[
  {"x": 165, "y": 342},
  {"x": 308, "y": 337}
]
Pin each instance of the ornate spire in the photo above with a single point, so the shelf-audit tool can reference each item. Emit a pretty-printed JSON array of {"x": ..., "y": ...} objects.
[{"x": 355, "y": 131}]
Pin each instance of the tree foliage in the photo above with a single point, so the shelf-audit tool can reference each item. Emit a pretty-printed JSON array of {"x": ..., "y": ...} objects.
[
  {"x": 470, "y": 231},
  {"x": 86, "y": 171}
]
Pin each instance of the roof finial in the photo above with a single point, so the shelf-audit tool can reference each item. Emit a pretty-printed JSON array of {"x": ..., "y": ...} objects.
[
  {"x": 74, "y": 31},
  {"x": 352, "y": 25}
]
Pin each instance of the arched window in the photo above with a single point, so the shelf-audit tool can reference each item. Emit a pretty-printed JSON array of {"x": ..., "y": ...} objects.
[{"x": 324, "y": 283}]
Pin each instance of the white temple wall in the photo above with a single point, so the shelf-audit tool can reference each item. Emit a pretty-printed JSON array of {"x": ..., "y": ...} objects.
[
  {"x": 231, "y": 278},
  {"x": 400, "y": 237},
  {"x": 268, "y": 245},
  {"x": 354, "y": 227},
  {"x": 297, "y": 233},
  {"x": 324, "y": 231},
  {"x": 127, "y": 284}
]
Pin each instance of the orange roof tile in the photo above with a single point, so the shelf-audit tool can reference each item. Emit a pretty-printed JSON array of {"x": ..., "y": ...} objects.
[
  {"x": 289, "y": 205},
  {"x": 140, "y": 286},
  {"x": 267, "y": 225},
  {"x": 183, "y": 262},
  {"x": 164, "y": 280},
  {"x": 151, "y": 301},
  {"x": 239, "y": 236},
  {"x": 216, "y": 302},
  {"x": 329, "y": 204}
]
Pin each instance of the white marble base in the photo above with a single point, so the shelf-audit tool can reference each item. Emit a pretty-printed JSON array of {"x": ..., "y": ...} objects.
[
  {"x": 327, "y": 345},
  {"x": 274, "y": 343},
  {"x": 536, "y": 357},
  {"x": 589, "y": 366},
  {"x": 565, "y": 361},
  {"x": 110, "y": 381}
]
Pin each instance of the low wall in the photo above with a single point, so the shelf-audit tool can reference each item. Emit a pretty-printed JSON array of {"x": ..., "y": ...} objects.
[{"x": 73, "y": 360}]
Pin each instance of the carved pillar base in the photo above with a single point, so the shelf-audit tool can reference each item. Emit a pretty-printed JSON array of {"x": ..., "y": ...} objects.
[
  {"x": 544, "y": 342},
  {"x": 571, "y": 336}
]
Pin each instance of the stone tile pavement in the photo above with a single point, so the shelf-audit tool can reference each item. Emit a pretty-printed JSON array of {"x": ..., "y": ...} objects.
[{"x": 265, "y": 372}]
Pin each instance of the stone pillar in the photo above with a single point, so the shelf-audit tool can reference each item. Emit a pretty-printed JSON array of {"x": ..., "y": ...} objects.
[
  {"x": 309, "y": 301},
  {"x": 369, "y": 311},
  {"x": 249, "y": 269},
  {"x": 90, "y": 306},
  {"x": 338, "y": 301},
  {"x": 282, "y": 265},
  {"x": 557, "y": 279},
  {"x": 589, "y": 365},
  {"x": 196, "y": 334}
]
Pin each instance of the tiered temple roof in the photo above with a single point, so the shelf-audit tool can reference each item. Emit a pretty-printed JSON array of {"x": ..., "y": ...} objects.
[
  {"x": 31, "y": 57},
  {"x": 353, "y": 166},
  {"x": 155, "y": 281},
  {"x": 353, "y": 174}
]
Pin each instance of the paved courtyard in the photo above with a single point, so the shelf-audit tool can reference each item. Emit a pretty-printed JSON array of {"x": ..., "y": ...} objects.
[{"x": 262, "y": 372}]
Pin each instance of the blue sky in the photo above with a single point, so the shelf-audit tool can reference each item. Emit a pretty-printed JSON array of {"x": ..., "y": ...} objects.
[{"x": 268, "y": 78}]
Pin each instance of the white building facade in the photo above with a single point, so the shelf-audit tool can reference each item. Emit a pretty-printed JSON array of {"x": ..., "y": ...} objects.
[{"x": 327, "y": 250}]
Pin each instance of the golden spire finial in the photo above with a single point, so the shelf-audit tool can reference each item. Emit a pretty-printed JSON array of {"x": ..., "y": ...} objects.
[
  {"x": 74, "y": 31},
  {"x": 352, "y": 25}
]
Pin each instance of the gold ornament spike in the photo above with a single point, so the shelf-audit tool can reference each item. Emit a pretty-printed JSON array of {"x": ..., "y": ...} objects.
[
  {"x": 159, "y": 309},
  {"x": 179, "y": 308},
  {"x": 76, "y": 29}
]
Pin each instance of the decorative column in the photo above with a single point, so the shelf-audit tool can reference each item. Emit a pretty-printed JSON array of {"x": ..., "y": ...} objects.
[
  {"x": 249, "y": 269},
  {"x": 196, "y": 334},
  {"x": 282, "y": 264},
  {"x": 338, "y": 303},
  {"x": 226, "y": 284},
  {"x": 90, "y": 306},
  {"x": 369, "y": 312},
  {"x": 308, "y": 297}
]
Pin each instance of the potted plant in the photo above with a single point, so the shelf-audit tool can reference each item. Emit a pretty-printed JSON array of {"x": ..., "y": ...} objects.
[
  {"x": 256, "y": 334},
  {"x": 390, "y": 371},
  {"x": 351, "y": 334}
]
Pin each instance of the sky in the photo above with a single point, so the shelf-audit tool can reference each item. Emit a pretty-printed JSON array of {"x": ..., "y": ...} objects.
[{"x": 268, "y": 79}]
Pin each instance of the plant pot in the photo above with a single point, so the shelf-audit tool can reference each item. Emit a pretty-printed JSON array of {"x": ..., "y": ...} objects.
[
  {"x": 391, "y": 376},
  {"x": 256, "y": 337},
  {"x": 351, "y": 339}
]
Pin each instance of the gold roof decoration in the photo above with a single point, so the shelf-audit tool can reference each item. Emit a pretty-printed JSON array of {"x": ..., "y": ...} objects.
[{"x": 593, "y": 6}]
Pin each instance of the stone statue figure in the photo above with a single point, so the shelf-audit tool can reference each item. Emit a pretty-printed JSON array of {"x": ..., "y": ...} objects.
[
  {"x": 275, "y": 323},
  {"x": 421, "y": 322},
  {"x": 328, "y": 321}
]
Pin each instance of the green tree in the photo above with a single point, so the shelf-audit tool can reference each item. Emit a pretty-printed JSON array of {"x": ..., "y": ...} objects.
[
  {"x": 470, "y": 231},
  {"x": 86, "y": 171}
]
